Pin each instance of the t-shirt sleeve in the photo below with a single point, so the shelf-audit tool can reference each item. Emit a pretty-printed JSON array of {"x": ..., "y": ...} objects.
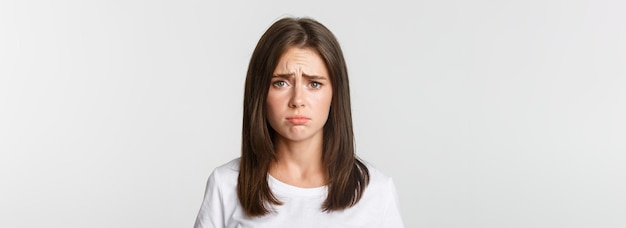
[
  {"x": 211, "y": 214},
  {"x": 392, "y": 214}
]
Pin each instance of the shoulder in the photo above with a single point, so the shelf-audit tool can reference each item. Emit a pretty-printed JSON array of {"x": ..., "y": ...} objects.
[
  {"x": 226, "y": 174},
  {"x": 377, "y": 177},
  {"x": 231, "y": 167},
  {"x": 380, "y": 184},
  {"x": 228, "y": 169},
  {"x": 381, "y": 198},
  {"x": 219, "y": 194}
]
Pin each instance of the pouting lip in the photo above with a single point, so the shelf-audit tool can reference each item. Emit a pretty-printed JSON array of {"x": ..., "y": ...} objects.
[
  {"x": 298, "y": 120},
  {"x": 295, "y": 117}
]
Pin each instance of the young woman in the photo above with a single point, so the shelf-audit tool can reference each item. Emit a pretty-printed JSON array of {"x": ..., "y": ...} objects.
[{"x": 298, "y": 166}]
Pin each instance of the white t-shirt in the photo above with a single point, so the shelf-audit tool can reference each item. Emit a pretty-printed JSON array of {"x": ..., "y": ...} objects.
[{"x": 301, "y": 207}]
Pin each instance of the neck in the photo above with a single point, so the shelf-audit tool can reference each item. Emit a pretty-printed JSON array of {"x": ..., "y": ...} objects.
[{"x": 299, "y": 163}]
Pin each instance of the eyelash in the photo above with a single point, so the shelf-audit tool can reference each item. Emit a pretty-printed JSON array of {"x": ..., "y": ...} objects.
[
  {"x": 311, "y": 84},
  {"x": 319, "y": 85},
  {"x": 275, "y": 84}
]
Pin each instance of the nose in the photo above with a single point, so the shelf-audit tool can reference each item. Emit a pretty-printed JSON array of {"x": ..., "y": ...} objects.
[{"x": 296, "y": 100}]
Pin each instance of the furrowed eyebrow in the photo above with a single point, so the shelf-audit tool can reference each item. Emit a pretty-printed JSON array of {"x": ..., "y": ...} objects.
[
  {"x": 310, "y": 77},
  {"x": 314, "y": 77},
  {"x": 283, "y": 76}
]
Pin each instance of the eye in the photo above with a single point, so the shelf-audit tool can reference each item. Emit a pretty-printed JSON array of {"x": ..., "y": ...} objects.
[
  {"x": 315, "y": 85},
  {"x": 279, "y": 84}
]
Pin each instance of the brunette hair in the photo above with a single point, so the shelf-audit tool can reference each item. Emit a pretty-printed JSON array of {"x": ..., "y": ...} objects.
[{"x": 347, "y": 175}]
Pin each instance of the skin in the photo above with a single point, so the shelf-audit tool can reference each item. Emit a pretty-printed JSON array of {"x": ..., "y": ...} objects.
[{"x": 298, "y": 104}]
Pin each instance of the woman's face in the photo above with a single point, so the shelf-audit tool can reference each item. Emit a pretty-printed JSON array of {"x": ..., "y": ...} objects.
[{"x": 299, "y": 97}]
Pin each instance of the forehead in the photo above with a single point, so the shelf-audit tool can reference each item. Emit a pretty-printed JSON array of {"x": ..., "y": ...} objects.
[{"x": 301, "y": 60}]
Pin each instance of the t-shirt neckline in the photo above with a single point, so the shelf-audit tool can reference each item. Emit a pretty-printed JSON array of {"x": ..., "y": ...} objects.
[{"x": 279, "y": 186}]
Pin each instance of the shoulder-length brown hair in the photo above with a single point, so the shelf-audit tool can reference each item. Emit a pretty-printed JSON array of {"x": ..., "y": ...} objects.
[{"x": 347, "y": 176}]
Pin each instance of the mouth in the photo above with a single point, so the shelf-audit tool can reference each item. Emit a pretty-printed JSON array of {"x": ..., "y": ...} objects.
[{"x": 298, "y": 120}]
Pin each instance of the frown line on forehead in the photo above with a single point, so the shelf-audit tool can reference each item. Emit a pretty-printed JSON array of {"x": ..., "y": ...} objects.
[{"x": 291, "y": 75}]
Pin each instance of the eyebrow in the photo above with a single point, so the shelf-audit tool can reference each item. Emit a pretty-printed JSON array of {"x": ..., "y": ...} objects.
[{"x": 310, "y": 77}]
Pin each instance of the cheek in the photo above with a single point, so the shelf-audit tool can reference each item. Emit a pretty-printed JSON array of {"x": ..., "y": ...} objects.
[
  {"x": 273, "y": 104},
  {"x": 324, "y": 102},
  {"x": 270, "y": 106},
  {"x": 329, "y": 98}
]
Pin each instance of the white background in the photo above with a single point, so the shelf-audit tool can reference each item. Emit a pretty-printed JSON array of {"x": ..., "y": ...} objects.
[{"x": 485, "y": 113}]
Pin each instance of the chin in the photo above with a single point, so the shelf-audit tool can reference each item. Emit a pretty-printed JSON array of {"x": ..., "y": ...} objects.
[{"x": 297, "y": 138}]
